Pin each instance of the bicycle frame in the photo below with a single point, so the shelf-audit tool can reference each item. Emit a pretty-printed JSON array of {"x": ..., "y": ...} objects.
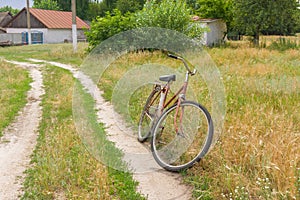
[{"x": 163, "y": 103}]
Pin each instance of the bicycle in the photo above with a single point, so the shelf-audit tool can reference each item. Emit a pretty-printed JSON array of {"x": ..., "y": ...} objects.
[{"x": 178, "y": 131}]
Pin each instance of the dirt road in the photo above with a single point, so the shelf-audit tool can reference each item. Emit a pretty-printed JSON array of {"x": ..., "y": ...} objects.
[{"x": 19, "y": 139}]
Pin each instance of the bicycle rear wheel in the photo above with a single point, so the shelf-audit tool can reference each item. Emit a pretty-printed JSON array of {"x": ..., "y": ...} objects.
[
  {"x": 147, "y": 118},
  {"x": 178, "y": 150}
]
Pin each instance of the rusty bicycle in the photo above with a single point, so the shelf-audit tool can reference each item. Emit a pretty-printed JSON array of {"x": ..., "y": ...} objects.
[{"x": 180, "y": 131}]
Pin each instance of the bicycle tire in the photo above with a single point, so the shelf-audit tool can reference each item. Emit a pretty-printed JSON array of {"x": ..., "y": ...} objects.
[
  {"x": 178, "y": 151},
  {"x": 147, "y": 116}
]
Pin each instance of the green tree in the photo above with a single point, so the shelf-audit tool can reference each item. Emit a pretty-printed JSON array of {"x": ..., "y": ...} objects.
[
  {"x": 283, "y": 19},
  {"x": 110, "y": 4},
  {"x": 252, "y": 17},
  {"x": 9, "y": 9},
  {"x": 174, "y": 15},
  {"x": 82, "y": 6},
  {"x": 96, "y": 9},
  {"x": 129, "y": 5},
  {"x": 218, "y": 9},
  {"x": 46, "y": 4}
]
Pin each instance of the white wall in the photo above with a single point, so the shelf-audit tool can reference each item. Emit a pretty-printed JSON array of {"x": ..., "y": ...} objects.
[
  {"x": 215, "y": 33},
  {"x": 11, "y": 38},
  {"x": 51, "y": 36},
  {"x": 58, "y": 35}
]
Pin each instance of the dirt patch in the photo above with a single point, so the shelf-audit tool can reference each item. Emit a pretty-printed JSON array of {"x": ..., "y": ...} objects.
[{"x": 19, "y": 138}]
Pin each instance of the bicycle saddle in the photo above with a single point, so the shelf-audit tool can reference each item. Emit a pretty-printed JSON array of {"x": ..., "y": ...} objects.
[{"x": 168, "y": 78}]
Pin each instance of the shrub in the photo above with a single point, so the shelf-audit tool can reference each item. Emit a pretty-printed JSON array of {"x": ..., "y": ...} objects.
[
  {"x": 169, "y": 14},
  {"x": 105, "y": 27}
]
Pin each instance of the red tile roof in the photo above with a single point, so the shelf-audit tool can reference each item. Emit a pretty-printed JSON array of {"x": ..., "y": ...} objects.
[{"x": 57, "y": 19}]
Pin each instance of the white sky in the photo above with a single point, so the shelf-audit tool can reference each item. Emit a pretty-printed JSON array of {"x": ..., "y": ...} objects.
[{"x": 17, "y": 4}]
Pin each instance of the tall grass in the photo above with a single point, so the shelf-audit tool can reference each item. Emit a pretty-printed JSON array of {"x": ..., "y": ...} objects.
[
  {"x": 258, "y": 154},
  {"x": 257, "y": 157},
  {"x": 14, "y": 84}
]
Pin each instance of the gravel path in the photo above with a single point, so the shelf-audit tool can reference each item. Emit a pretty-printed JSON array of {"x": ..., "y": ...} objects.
[{"x": 19, "y": 139}]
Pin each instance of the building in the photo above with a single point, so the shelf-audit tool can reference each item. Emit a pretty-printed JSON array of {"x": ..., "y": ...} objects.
[
  {"x": 4, "y": 18},
  {"x": 216, "y": 32},
  {"x": 47, "y": 26}
]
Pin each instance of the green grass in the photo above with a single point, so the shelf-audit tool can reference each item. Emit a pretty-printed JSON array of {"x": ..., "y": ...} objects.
[
  {"x": 52, "y": 52},
  {"x": 62, "y": 166},
  {"x": 14, "y": 84}
]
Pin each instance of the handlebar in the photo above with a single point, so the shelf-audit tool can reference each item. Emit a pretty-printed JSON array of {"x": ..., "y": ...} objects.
[{"x": 185, "y": 64}]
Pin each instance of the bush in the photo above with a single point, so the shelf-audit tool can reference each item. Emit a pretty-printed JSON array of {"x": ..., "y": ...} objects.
[
  {"x": 169, "y": 14},
  {"x": 105, "y": 27}
]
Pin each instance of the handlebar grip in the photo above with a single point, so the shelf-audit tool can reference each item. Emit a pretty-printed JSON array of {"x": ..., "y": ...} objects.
[{"x": 172, "y": 56}]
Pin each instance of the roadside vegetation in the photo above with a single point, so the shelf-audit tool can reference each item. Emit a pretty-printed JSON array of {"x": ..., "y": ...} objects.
[
  {"x": 62, "y": 167},
  {"x": 14, "y": 84},
  {"x": 257, "y": 156}
]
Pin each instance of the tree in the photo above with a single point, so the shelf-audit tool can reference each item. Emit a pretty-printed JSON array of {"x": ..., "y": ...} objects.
[
  {"x": 46, "y": 4},
  {"x": 252, "y": 17},
  {"x": 110, "y": 4},
  {"x": 284, "y": 18},
  {"x": 9, "y": 9},
  {"x": 219, "y": 9},
  {"x": 96, "y": 9},
  {"x": 129, "y": 5}
]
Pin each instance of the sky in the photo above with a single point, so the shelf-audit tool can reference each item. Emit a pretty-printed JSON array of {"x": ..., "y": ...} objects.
[{"x": 17, "y": 4}]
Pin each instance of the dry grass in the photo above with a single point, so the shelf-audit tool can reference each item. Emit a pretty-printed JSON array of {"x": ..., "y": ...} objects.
[
  {"x": 257, "y": 156},
  {"x": 259, "y": 149}
]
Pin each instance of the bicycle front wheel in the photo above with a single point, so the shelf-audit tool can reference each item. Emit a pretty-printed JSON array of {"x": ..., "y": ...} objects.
[{"x": 182, "y": 136}]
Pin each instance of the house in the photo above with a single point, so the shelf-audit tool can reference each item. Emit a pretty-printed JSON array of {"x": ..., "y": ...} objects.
[
  {"x": 216, "y": 30},
  {"x": 4, "y": 18},
  {"x": 47, "y": 26}
]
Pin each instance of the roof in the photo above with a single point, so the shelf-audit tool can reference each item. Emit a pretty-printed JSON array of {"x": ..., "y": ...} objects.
[
  {"x": 3, "y": 15},
  {"x": 204, "y": 20},
  {"x": 53, "y": 19},
  {"x": 57, "y": 19}
]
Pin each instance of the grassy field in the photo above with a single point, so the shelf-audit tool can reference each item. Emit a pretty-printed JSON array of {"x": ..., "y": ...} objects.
[
  {"x": 256, "y": 157},
  {"x": 14, "y": 83},
  {"x": 52, "y": 52}
]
